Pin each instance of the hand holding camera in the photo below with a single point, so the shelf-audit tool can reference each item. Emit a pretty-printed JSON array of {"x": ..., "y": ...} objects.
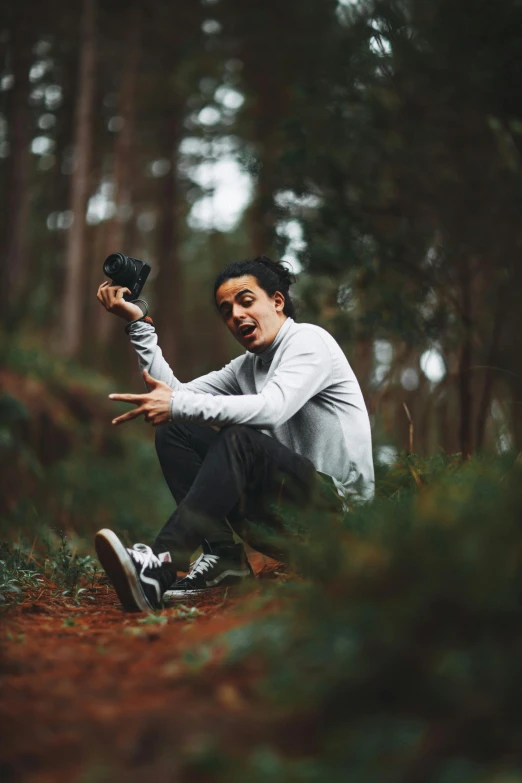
[
  {"x": 112, "y": 298},
  {"x": 128, "y": 277}
]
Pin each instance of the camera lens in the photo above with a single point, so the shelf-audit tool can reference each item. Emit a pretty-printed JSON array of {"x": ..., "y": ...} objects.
[{"x": 120, "y": 269}]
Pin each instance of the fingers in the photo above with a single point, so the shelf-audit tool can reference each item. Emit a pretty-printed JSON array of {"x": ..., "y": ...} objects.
[
  {"x": 157, "y": 419},
  {"x": 150, "y": 417},
  {"x": 101, "y": 293},
  {"x": 106, "y": 294},
  {"x": 149, "y": 380},
  {"x": 154, "y": 420},
  {"x": 128, "y": 416},
  {"x": 135, "y": 398},
  {"x": 109, "y": 294}
]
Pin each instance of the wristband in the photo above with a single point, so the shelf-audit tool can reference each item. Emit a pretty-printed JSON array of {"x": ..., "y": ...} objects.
[
  {"x": 142, "y": 304},
  {"x": 145, "y": 318}
]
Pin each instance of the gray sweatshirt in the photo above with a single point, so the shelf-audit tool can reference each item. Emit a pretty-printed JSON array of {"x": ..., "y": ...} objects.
[{"x": 300, "y": 390}]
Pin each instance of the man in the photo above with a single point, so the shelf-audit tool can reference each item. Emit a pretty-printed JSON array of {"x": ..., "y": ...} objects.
[{"x": 266, "y": 429}]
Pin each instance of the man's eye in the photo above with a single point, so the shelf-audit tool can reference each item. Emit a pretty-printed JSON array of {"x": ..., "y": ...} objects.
[{"x": 247, "y": 302}]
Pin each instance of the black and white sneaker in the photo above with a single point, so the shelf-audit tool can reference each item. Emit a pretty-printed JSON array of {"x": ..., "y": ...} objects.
[
  {"x": 138, "y": 575},
  {"x": 220, "y": 565}
]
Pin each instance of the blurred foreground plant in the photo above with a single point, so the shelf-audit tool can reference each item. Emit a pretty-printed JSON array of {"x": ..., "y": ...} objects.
[{"x": 402, "y": 649}]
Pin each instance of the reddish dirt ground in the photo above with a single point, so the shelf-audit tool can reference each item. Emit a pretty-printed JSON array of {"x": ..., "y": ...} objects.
[{"x": 89, "y": 694}]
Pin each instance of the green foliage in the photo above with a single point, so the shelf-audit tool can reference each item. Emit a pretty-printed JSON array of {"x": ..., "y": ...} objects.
[
  {"x": 187, "y": 613},
  {"x": 68, "y": 572},
  {"x": 18, "y": 571},
  {"x": 125, "y": 492},
  {"x": 153, "y": 619},
  {"x": 410, "y": 471},
  {"x": 66, "y": 568},
  {"x": 405, "y": 636},
  {"x": 65, "y": 466}
]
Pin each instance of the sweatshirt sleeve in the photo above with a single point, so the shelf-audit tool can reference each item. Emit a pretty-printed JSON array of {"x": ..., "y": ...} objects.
[
  {"x": 304, "y": 370},
  {"x": 150, "y": 357}
]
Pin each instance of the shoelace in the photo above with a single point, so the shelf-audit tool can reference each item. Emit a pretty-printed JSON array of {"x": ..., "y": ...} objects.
[
  {"x": 144, "y": 556},
  {"x": 202, "y": 564}
]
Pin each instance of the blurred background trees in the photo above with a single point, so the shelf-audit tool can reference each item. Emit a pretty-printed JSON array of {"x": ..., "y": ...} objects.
[{"x": 374, "y": 145}]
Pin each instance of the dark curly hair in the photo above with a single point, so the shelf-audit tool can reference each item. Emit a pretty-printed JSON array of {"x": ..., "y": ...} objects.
[{"x": 271, "y": 275}]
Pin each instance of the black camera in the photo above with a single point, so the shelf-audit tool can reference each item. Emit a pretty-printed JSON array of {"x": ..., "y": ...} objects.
[{"x": 126, "y": 272}]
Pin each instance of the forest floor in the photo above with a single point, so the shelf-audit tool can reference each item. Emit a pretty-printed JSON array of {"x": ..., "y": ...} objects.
[{"x": 91, "y": 694}]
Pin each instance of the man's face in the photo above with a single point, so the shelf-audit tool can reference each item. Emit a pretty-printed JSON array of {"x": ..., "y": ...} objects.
[{"x": 251, "y": 315}]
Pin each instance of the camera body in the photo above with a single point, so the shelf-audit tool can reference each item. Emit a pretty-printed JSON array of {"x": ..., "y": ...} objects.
[{"x": 127, "y": 272}]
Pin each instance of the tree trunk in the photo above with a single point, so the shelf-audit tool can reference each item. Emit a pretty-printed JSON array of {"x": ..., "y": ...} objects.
[
  {"x": 116, "y": 233},
  {"x": 219, "y": 347},
  {"x": 74, "y": 272},
  {"x": 491, "y": 360},
  {"x": 268, "y": 105},
  {"x": 15, "y": 258},
  {"x": 169, "y": 282},
  {"x": 466, "y": 351},
  {"x": 269, "y": 99},
  {"x": 57, "y": 194}
]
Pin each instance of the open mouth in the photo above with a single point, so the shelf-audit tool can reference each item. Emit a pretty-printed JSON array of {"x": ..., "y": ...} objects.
[{"x": 247, "y": 330}]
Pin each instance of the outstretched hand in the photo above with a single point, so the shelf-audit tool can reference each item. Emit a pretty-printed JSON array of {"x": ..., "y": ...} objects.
[{"x": 155, "y": 405}]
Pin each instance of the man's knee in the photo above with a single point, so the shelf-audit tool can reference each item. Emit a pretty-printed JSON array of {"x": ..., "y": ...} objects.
[
  {"x": 176, "y": 434},
  {"x": 236, "y": 434},
  {"x": 161, "y": 438},
  {"x": 167, "y": 435},
  {"x": 241, "y": 442}
]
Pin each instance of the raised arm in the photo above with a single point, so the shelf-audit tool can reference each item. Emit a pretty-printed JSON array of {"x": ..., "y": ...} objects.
[{"x": 150, "y": 357}]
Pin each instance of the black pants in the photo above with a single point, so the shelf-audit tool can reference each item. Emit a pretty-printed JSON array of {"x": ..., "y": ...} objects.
[{"x": 238, "y": 474}]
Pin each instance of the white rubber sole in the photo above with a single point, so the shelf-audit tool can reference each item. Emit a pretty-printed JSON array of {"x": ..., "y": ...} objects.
[
  {"x": 176, "y": 595},
  {"x": 118, "y": 566},
  {"x": 179, "y": 595}
]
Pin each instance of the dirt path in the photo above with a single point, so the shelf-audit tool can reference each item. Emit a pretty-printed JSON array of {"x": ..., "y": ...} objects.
[{"x": 90, "y": 694}]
